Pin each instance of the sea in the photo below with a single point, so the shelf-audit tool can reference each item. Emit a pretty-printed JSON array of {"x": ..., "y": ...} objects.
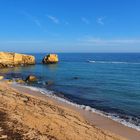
[{"x": 105, "y": 83}]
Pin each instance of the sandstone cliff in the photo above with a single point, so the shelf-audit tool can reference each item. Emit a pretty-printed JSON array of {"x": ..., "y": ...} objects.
[
  {"x": 51, "y": 58},
  {"x": 14, "y": 59}
]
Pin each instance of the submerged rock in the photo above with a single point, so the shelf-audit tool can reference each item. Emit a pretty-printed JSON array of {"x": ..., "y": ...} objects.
[
  {"x": 20, "y": 81},
  {"x": 14, "y": 59},
  {"x": 75, "y": 78},
  {"x": 50, "y": 59},
  {"x": 31, "y": 78},
  {"x": 49, "y": 83}
]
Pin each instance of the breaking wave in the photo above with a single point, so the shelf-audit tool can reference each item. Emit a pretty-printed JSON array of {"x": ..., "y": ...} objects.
[{"x": 112, "y": 62}]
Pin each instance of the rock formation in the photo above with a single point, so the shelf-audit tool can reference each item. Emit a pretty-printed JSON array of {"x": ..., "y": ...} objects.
[
  {"x": 31, "y": 78},
  {"x": 50, "y": 59},
  {"x": 14, "y": 59}
]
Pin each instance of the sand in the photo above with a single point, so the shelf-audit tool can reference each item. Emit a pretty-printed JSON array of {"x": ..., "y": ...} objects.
[{"x": 27, "y": 116}]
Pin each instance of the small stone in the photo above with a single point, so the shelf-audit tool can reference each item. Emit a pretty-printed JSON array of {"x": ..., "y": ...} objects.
[
  {"x": 20, "y": 81},
  {"x": 9, "y": 81}
]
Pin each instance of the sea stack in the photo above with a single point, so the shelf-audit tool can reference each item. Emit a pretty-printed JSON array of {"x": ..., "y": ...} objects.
[
  {"x": 50, "y": 59},
  {"x": 15, "y": 59}
]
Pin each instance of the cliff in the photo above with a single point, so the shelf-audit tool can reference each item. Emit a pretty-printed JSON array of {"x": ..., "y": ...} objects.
[{"x": 14, "y": 59}]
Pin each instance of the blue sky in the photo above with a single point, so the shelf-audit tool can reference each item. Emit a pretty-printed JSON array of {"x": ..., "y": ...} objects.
[{"x": 70, "y": 25}]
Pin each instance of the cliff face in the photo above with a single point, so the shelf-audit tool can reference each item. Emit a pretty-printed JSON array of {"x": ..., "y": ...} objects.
[
  {"x": 51, "y": 58},
  {"x": 14, "y": 59}
]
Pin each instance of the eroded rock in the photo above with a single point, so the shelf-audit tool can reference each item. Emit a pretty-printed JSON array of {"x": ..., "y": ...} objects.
[
  {"x": 14, "y": 59},
  {"x": 50, "y": 59},
  {"x": 31, "y": 78}
]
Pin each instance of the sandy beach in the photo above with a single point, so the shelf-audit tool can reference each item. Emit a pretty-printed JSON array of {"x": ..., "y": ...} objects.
[
  {"x": 94, "y": 119},
  {"x": 26, "y": 116}
]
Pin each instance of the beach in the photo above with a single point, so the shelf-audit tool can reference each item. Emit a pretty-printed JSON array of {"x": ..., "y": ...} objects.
[
  {"x": 69, "y": 70},
  {"x": 27, "y": 114},
  {"x": 27, "y": 117}
]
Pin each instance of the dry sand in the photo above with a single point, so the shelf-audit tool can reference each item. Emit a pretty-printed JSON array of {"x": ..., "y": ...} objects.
[{"x": 29, "y": 117}]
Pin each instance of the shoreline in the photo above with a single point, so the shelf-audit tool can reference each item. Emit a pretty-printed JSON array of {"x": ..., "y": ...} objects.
[
  {"x": 94, "y": 118},
  {"x": 27, "y": 114}
]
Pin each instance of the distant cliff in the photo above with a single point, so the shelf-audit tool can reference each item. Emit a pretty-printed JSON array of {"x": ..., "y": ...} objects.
[{"x": 14, "y": 59}]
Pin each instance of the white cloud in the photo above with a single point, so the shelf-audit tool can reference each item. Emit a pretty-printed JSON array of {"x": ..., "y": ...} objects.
[
  {"x": 85, "y": 20},
  {"x": 53, "y": 19},
  {"x": 100, "y": 20}
]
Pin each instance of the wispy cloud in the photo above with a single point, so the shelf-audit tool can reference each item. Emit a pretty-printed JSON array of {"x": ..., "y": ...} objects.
[
  {"x": 100, "y": 20},
  {"x": 32, "y": 18},
  {"x": 85, "y": 20},
  {"x": 53, "y": 19},
  {"x": 37, "y": 22},
  {"x": 108, "y": 42}
]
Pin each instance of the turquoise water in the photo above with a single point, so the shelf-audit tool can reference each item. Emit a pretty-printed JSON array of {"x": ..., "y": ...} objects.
[{"x": 109, "y": 82}]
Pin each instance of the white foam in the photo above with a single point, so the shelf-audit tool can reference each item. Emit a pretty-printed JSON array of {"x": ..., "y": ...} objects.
[
  {"x": 92, "y": 61},
  {"x": 86, "y": 108},
  {"x": 112, "y": 62}
]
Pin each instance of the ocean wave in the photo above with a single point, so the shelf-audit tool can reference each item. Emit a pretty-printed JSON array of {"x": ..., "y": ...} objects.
[
  {"x": 114, "y": 117},
  {"x": 113, "y": 62}
]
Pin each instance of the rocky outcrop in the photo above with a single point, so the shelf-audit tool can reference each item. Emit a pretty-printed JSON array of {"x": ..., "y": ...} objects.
[
  {"x": 50, "y": 59},
  {"x": 14, "y": 59},
  {"x": 31, "y": 78}
]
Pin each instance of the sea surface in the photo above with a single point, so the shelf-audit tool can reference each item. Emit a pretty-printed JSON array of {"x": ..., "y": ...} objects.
[{"x": 108, "y": 83}]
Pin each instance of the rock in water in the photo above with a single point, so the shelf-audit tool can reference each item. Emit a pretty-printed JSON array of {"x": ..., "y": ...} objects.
[
  {"x": 49, "y": 83},
  {"x": 20, "y": 81},
  {"x": 31, "y": 78},
  {"x": 76, "y": 78},
  {"x": 14, "y": 59},
  {"x": 1, "y": 77},
  {"x": 50, "y": 59}
]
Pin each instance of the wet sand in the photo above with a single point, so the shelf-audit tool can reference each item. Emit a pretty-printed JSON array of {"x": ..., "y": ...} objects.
[{"x": 27, "y": 114}]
